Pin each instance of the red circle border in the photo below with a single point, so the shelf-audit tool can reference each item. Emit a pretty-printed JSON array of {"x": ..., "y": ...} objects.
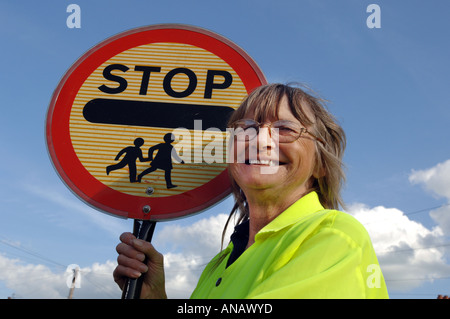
[{"x": 71, "y": 170}]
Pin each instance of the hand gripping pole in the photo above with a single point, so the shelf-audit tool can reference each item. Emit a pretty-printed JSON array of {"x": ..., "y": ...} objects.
[{"x": 142, "y": 229}]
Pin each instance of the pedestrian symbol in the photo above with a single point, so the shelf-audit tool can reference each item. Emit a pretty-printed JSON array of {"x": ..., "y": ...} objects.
[
  {"x": 163, "y": 159},
  {"x": 132, "y": 153}
]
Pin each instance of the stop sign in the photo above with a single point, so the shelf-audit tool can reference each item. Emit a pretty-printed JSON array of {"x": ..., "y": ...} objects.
[{"x": 137, "y": 126}]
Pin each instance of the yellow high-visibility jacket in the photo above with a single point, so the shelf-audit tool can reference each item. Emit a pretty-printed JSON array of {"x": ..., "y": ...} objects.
[{"x": 305, "y": 252}]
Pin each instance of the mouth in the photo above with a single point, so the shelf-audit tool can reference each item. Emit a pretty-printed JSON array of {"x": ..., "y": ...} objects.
[{"x": 263, "y": 162}]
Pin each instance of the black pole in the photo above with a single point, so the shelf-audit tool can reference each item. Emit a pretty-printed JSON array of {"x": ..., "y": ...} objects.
[{"x": 142, "y": 229}]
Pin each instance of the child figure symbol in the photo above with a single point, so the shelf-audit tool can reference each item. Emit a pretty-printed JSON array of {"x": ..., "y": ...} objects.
[
  {"x": 132, "y": 153},
  {"x": 162, "y": 160}
]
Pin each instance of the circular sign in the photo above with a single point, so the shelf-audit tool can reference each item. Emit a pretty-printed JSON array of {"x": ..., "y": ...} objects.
[{"x": 137, "y": 126}]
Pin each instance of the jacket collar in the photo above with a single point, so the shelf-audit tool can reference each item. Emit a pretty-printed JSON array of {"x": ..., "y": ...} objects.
[{"x": 303, "y": 207}]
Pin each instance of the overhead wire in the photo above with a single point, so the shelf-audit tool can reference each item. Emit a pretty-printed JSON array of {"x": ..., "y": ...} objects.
[
  {"x": 179, "y": 264},
  {"x": 407, "y": 214},
  {"x": 90, "y": 278},
  {"x": 33, "y": 253},
  {"x": 412, "y": 249},
  {"x": 426, "y": 209}
]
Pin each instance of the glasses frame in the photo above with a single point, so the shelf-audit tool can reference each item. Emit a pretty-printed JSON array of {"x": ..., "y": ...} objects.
[{"x": 270, "y": 125}]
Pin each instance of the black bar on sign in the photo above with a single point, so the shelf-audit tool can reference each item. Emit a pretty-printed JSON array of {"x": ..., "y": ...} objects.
[{"x": 156, "y": 114}]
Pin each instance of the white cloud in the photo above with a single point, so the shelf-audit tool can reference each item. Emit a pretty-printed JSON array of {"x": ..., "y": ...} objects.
[
  {"x": 408, "y": 252},
  {"x": 186, "y": 249},
  {"x": 441, "y": 216},
  {"x": 437, "y": 181},
  {"x": 35, "y": 281},
  {"x": 205, "y": 233}
]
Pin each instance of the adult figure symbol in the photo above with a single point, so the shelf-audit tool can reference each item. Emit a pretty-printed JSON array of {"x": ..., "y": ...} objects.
[{"x": 163, "y": 159}]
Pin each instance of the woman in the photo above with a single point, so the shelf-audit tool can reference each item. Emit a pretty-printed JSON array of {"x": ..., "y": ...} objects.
[{"x": 290, "y": 241}]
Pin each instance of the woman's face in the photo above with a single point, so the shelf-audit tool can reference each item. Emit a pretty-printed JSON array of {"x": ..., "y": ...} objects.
[{"x": 275, "y": 170}]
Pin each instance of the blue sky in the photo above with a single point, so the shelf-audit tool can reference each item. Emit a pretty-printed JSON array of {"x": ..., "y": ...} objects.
[{"x": 387, "y": 86}]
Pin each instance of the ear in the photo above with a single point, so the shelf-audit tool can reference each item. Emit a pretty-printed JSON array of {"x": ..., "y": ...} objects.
[
  {"x": 319, "y": 169},
  {"x": 318, "y": 173}
]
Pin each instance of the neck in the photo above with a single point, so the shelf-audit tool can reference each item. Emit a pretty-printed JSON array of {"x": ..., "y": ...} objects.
[
  {"x": 261, "y": 214},
  {"x": 263, "y": 210}
]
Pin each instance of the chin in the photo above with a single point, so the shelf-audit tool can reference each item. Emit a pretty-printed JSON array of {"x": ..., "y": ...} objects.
[{"x": 256, "y": 176}]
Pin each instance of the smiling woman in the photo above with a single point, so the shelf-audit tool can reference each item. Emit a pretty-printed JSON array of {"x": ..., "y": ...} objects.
[
  {"x": 308, "y": 122},
  {"x": 290, "y": 240}
]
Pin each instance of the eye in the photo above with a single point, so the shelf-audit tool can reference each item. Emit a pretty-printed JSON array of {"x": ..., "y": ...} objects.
[
  {"x": 286, "y": 128},
  {"x": 246, "y": 130},
  {"x": 250, "y": 126},
  {"x": 245, "y": 125}
]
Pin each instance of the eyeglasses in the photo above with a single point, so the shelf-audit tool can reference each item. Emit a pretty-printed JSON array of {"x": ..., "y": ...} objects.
[{"x": 286, "y": 131}]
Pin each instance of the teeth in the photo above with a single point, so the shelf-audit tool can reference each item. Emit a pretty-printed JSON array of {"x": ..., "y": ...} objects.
[{"x": 263, "y": 162}]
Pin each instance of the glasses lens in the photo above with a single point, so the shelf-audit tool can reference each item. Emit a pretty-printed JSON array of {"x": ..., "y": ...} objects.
[
  {"x": 245, "y": 130},
  {"x": 287, "y": 131}
]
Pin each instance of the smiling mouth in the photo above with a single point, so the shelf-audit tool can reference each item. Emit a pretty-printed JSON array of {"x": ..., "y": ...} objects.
[{"x": 262, "y": 162}]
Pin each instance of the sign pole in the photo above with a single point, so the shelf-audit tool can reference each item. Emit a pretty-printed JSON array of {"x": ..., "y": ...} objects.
[{"x": 142, "y": 229}]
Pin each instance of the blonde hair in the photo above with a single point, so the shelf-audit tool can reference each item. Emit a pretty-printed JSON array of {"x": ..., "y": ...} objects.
[{"x": 264, "y": 102}]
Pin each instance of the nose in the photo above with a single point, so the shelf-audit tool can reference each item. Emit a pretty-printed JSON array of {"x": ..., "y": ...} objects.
[{"x": 265, "y": 140}]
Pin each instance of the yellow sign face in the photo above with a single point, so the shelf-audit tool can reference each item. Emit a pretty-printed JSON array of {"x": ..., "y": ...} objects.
[
  {"x": 165, "y": 77},
  {"x": 137, "y": 127}
]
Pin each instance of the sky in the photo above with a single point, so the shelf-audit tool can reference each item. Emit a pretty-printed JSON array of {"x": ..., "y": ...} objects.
[{"x": 387, "y": 86}]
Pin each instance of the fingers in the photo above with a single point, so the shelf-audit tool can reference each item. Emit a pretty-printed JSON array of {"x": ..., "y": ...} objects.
[
  {"x": 139, "y": 258},
  {"x": 127, "y": 248},
  {"x": 148, "y": 250},
  {"x": 134, "y": 267},
  {"x": 130, "y": 261},
  {"x": 132, "y": 255},
  {"x": 121, "y": 274},
  {"x": 138, "y": 246},
  {"x": 138, "y": 249},
  {"x": 127, "y": 238}
]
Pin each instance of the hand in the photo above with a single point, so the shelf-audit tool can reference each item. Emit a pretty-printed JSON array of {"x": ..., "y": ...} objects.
[{"x": 132, "y": 253}]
